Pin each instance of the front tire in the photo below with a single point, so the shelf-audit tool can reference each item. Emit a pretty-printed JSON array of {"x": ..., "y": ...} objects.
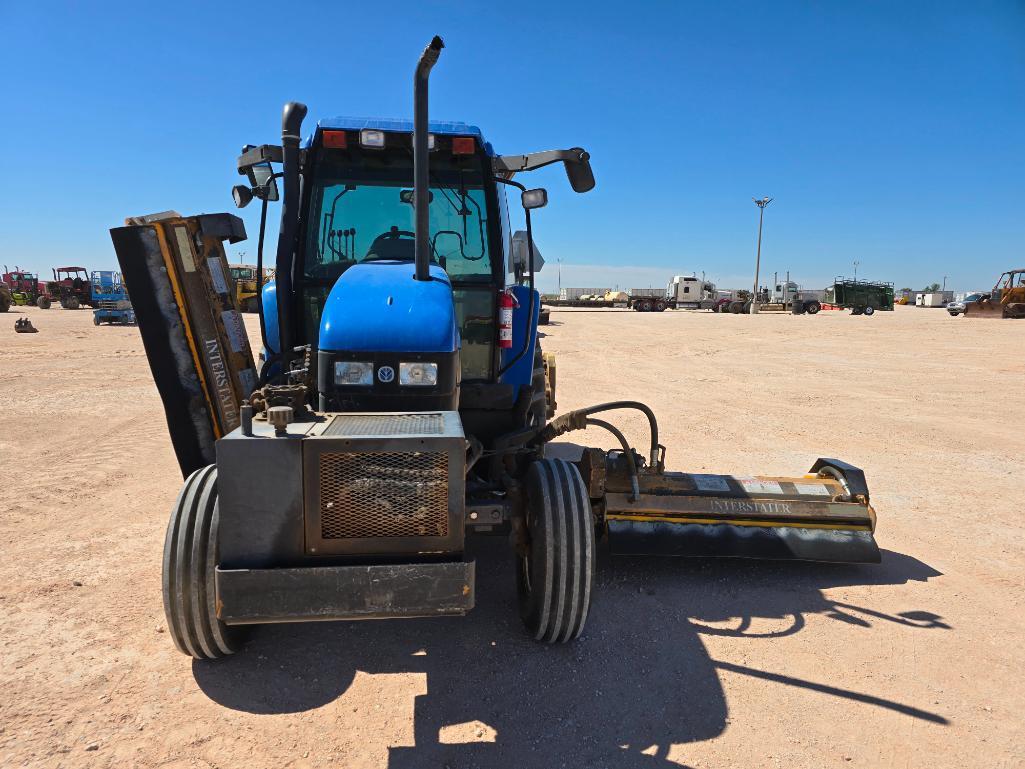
[
  {"x": 869, "y": 310},
  {"x": 555, "y": 577},
  {"x": 190, "y": 560},
  {"x": 43, "y": 303},
  {"x": 812, "y": 307}
]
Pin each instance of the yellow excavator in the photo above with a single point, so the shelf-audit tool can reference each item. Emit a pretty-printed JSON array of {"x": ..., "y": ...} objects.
[{"x": 1006, "y": 300}]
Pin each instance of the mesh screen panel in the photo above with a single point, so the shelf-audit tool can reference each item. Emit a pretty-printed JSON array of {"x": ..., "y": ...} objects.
[
  {"x": 386, "y": 424},
  {"x": 384, "y": 494}
]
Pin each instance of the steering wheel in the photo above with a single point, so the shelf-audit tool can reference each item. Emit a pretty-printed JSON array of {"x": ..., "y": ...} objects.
[{"x": 394, "y": 234}]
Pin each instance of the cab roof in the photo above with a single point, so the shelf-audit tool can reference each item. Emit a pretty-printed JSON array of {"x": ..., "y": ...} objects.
[{"x": 396, "y": 125}]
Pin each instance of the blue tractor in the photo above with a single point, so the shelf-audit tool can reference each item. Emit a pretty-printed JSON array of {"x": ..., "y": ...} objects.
[{"x": 403, "y": 402}]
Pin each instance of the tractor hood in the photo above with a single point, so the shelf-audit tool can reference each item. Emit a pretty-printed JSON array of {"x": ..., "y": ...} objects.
[{"x": 379, "y": 307}]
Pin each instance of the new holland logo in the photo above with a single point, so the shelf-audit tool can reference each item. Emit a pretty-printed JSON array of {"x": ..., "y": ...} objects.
[{"x": 386, "y": 374}]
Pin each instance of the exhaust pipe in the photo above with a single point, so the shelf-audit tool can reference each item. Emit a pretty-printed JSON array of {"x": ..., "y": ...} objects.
[
  {"x": 291, "y": 124},
  {"x": 421, "y": 158}
]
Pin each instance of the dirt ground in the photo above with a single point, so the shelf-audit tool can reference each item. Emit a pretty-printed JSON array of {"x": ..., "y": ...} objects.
[{"x": 916, "y": 662}]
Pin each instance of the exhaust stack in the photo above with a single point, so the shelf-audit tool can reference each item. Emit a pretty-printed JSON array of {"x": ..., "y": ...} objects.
[
  {"x": 421, "y": 157},
  {"x": 291, "y": 125}
]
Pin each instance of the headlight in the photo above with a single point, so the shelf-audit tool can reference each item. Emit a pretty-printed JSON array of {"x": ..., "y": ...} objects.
[
  {"x": 349, "y": 372},
  {"x": 420, "y": 374}
]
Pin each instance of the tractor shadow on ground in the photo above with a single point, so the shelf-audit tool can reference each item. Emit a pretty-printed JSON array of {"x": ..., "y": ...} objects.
[{"x": 640, "y": 679}]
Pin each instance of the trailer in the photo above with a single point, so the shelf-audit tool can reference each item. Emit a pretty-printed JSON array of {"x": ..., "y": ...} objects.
[
  {"x": 861, "y": 297},
  {"x": 573, "y": 294},
  {"x": 934, "y": 298}
]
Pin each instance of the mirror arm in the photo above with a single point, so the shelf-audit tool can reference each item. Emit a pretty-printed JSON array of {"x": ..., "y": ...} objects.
[
  {"x": 265, "y": 153},
  {"x": 516, "y": 163},
  {"x": 576, "y": 161}
]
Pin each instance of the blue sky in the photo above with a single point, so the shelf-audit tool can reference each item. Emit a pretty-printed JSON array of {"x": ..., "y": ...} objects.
[{"x": 888, "y": 133}]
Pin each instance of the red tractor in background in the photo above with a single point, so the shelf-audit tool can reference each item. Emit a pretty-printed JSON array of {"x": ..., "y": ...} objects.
[
  {"x": 24, "y": 286},
  {"x": 70, "y": 286}
]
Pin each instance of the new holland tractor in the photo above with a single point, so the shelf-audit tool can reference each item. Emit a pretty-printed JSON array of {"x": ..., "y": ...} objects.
[{"x": 401, "y": 404}]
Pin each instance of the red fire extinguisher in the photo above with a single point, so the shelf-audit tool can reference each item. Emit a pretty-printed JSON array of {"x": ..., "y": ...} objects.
[{"x": 506, "y": 303}]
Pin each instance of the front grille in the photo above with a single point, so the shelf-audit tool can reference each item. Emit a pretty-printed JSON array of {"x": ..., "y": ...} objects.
[
  {"x": 360, "y": 425},
  {"x": 383, "y": 494}
]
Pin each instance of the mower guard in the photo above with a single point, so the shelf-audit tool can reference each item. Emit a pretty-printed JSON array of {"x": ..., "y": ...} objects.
[
  {"x": 823, "y": 516},
  {"x": 194, "y": 337}
]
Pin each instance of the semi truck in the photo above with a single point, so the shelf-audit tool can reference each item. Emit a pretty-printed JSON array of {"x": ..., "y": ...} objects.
[
  {"x": 684, "y": 292},
  {"x": 689, "y": 292}
]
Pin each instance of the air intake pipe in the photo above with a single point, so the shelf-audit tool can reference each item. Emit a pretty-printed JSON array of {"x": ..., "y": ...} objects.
[
  {"x": 291, "y": 125},
  {"x": 421, "y": 158}
]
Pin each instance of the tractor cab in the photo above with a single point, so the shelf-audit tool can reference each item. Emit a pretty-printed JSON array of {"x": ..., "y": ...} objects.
[{"x": 393, "y": 324}]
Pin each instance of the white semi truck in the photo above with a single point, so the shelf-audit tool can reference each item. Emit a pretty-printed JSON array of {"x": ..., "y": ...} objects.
[{"x": 689, "y": 292}]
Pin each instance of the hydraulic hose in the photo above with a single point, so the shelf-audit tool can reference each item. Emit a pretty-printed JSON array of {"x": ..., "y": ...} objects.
[
  {"x": 635, "y": 484},
  {"x": 577, "y": 420}
]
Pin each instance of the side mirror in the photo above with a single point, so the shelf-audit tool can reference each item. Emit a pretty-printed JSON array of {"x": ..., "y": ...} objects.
[
  {"x": 261, "y": 179},
  {"x": 536, "y": 198},
  {"x": 242, "y": 195},
  {"x": 579, "y": 173}
]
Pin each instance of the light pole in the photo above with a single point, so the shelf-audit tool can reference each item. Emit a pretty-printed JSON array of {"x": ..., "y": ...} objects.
[
  {"x": 758, "y": 259},
  {"x": 856, "y": 263}
]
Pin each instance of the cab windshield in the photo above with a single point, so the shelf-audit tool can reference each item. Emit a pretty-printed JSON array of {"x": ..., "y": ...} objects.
[{"x": 363, "y": 212}]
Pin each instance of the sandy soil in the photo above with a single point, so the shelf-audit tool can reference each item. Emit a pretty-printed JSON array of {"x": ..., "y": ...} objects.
[{"x": 915, "y": 662}]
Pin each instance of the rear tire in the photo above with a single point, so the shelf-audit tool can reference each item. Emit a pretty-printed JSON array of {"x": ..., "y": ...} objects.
[
  {"x": 73, "y": 303},
  {"x": 812, "y": 307},
  {"x": 870, "y": 310},
  {"x": 660, "y": 306},
  {"x": 190, "y": 559},
  {"x": 554, "y": 579}
]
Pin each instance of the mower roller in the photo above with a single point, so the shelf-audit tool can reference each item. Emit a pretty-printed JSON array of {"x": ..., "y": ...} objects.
[{"x": 403, "y": 402}]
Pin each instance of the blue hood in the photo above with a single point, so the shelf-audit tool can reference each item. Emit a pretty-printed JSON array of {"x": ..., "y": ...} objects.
[{"x": 379, "y": 307}]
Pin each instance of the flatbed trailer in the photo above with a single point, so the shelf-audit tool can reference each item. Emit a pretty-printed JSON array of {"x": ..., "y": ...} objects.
[
  {"x": 599, "y": 303},
  {"x": 638, "y": 303}
]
